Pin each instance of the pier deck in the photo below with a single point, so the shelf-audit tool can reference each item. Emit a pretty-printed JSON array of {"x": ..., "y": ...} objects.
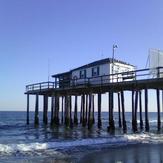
[
  {"x": 61, "y": 98},
  {"x": 142, "y": 79}
]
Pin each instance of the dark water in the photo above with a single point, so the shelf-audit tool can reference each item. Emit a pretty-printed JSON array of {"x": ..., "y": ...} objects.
[{"x": 25, "y": 143}]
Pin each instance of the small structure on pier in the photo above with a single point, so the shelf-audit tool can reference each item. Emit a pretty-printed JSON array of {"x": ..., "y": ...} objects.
[
  {"x": 97, "y": 78},
  {"x": 91, "y": 73}
]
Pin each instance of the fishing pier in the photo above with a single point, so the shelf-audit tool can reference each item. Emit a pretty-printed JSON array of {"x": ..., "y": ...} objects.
[{"x": 66, "y": 94}]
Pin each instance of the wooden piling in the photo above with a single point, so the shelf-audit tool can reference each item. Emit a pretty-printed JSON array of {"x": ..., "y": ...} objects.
[
  {"x": 70, "y": 110},
  {"x": 45, "y": 109},
  {"x": 136, "y": 108},
  {"x": 27, "y": 109},
  {"x": 37, "y": 110},
  {"x": 62, "y": 109},
  {"x": 86, "y": 111},
  {"x": 66, "y": 111},
  {"x": 81, "y": 111},
  {"x": 119, "y": 111},
  {"x": 146, "y": 110},
  {"x": 76, "y": 111},
  {"x": 133, "y": 110},
  {"x": 83, "y": 116},
  {"x": 123, "y": 112},
  {"x": 140, "y": 110},
  {"x": 99, "y": 110},
  {"x": 90, "y": 120},
  {"x": 111, "y": 106},
  {"x": 158, "y": 110},
  {"x": 52, "y": 110},
  {"x": 93, "y": 109},
  {"x": 56, "y": 110}
]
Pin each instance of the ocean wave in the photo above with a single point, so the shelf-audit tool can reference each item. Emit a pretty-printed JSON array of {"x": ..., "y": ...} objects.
[{"x": 110, "y": 141}]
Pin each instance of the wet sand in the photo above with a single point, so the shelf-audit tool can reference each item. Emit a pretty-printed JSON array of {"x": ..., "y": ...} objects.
[{"x": 142, "y": 153}]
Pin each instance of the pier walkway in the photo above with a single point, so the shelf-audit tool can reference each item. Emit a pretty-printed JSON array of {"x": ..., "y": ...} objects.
[{"x": 134, "y": 81}]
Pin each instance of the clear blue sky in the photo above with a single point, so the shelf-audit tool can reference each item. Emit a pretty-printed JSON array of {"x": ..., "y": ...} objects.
[{"x": 70, "y": 33}]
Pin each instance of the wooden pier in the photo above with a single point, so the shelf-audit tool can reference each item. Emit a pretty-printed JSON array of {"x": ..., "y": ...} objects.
[{"x": 61, "y": 99}]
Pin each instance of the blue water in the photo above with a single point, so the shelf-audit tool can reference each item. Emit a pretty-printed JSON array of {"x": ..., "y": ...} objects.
[{"x": 25, "y": 143}]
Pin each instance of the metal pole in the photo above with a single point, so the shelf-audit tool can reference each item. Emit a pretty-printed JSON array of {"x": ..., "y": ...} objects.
[{"x": 114, "y": 47}]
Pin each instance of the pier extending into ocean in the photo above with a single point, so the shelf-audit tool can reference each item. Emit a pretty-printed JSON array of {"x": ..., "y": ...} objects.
[{"x": 138, "y": 82}]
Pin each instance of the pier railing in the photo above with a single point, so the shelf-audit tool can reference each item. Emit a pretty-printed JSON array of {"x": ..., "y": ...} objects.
[
  {"x": 141, "y": 74},
  {"x": 40, "y": 86}
]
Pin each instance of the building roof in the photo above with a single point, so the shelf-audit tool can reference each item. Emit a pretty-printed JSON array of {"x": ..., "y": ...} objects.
[{"x": 92, "y": 64}]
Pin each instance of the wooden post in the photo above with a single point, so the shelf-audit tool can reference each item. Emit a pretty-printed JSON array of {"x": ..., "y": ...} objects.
[
  {"x": 146, "y": 110},
  {"x": 70, "y": 109},
  {"x": 86, "y": 111},
  {"x": 93, "y": 108},
  {"x": 123, "y": 112},
  {"x": 111, "y": 118},
  {"x": 133, "y": 111},
  {"x": 36, "y": 110},
  {"x": 52, "y": 110},
  {"x": 99, "y": 110},
  {"x": 83, "y": 106},
  {"x": 136, "y": 108},
  {"x": 62, "y": 108},
  {"x": 57, "y": 109},
  {"x": 158, "y": 110},
  {"x": 140, "y": 107},
  {"x": 81, "y": 111},
  {"x": 27, "y": 109},
  {"x": 90, "y": 120},
  {"x": 119, "y": 110},
  {"x": 66, "y": 110},
  {"x": 76, "y": 111},
  {"x": 45, "y": 109}
]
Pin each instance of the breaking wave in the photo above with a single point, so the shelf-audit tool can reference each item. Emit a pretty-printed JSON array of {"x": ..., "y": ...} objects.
[{"x": 110, "y": 141}]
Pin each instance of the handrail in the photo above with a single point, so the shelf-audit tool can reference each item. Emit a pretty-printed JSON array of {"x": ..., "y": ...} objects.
[{"x": 99, "y": 80}]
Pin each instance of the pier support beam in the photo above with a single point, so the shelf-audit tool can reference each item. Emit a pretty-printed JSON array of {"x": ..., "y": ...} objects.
[
  {"x": 52, "y": 110},
  {"x": 62, "y": 109},
  {"x": 70, "y": 109},
  {"x": 67, "y": 120},
  {"x": 27, "y": 109},
  {"x": 158, "y": 110},
  {"x": 136, "y": 108},
  {"x": 86, "y": 111},
  {"x": 133, "y": 110},
  {"x": 36, "y": 110},
  {"x": 45, "y": 109},
  {"x": 99, "y": 110},
  {"x": 90, "y": 120},
  {"x": 123, "y": 113},
  {"x": 93, "y": 109},
  {"x": 119, "y": 111},
  {"x": 76, "y": 111},
  {"x": 56, "y": 110},
  {"x": 111, "y": 106},
  {"x": 146, "y": 110},
  {"x": 83, "y": 106},
  {"x": 140, "y": 110},
  {"x": 81, "y": 111}
]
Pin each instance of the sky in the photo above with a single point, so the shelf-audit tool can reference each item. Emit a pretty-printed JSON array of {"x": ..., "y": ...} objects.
[{"x": 70, "y": 33}]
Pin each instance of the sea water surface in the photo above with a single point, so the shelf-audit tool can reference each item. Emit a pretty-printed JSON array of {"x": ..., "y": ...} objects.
[{"x": 26, "y": 143}]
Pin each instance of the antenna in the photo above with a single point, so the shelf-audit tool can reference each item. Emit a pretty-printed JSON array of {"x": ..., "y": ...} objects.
[{"x": 102, "y": 54}]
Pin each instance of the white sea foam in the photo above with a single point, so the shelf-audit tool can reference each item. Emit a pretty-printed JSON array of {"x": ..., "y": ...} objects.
[{"x": 114, "y": 140}]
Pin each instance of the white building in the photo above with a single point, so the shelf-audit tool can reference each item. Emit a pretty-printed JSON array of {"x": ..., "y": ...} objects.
[{"x": 98, "y": 72}]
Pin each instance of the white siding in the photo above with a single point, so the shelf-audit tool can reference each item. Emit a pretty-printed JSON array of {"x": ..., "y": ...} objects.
[{"x": 105, "y": 69}]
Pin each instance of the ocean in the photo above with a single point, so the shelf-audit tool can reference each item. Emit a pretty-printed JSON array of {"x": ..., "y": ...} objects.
[{"x": 21, "y": 143}]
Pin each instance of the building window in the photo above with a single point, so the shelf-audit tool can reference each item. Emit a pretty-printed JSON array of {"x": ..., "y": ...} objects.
[
  {"x": 82, "y": 74},
  {"x": 95, "y": 71}
]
